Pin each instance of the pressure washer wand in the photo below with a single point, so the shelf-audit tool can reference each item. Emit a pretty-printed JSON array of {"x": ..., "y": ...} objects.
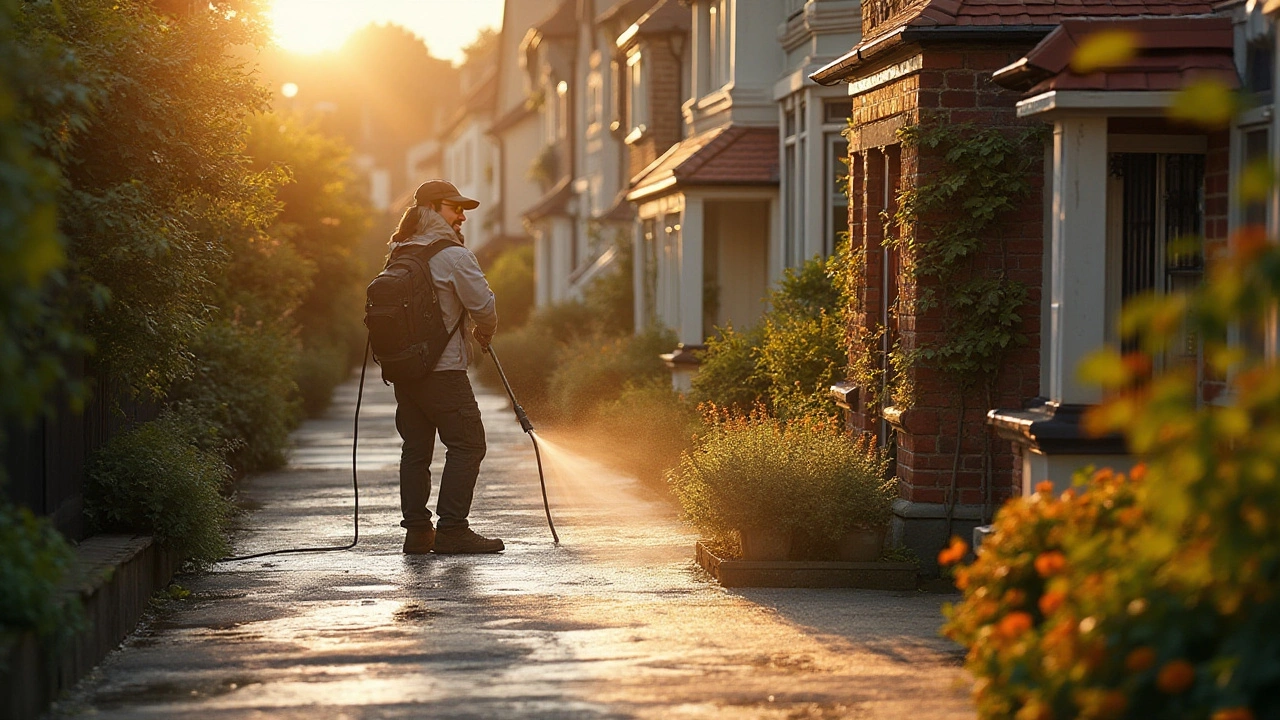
[{"x": 527, "y": 427}]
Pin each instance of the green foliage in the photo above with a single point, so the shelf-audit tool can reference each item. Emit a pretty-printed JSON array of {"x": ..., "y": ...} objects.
[
  {"x": 162, "y": 144},
  {"x": 511, "y": 279},
  {"x": 595, "y": 370},
  {"x": 755, "y": 471},
  {"x": 155, "y": 479},
  {"x": 243, "y": 385},
  {"x": 35, "y": 564},
  {"x": 33, "y": 334},
  {"x": 322, "y": 219},
  {"x": 946, "y": 227},
  {"x": 728, "y": 375},
  {"x": 791, "y": 359},
  {"x": 611, "y": 296}
]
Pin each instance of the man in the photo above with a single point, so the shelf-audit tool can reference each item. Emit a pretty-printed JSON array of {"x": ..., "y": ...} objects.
[{"x": 443, "y": 401}]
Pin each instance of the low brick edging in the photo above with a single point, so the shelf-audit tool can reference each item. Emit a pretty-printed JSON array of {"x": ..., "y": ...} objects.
[
  {"x": 791, "y": 573},
  {"x": 115, "y": 578}
]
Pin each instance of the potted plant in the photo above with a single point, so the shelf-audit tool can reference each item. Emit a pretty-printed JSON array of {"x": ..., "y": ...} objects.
[
  {"x": 756, "y": 479},
  {"x": 738, "y": 484}
]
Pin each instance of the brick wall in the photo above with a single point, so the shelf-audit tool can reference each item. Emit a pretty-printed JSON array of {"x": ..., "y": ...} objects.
[{"x": 953, "y": 86}]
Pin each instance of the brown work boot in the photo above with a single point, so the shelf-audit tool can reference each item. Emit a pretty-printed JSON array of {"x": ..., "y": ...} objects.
[
  {"x": 465, "y": 541},
  {"x": 419, "y": 540}
]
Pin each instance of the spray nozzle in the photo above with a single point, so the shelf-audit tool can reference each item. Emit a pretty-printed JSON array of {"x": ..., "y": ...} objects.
[{"x": 525, "y": 425}]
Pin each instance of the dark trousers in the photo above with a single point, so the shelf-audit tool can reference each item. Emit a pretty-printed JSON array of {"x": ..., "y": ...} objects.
[{"x": 441, "y": 402}]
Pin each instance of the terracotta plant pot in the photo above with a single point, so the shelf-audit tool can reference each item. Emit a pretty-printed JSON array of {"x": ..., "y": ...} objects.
[
  {"x": 762, "y": 544},
  {"x": 862, "y": 545}
]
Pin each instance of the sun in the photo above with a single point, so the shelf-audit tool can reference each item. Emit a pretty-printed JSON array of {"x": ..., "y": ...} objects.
[{"x": 307, "y": 26}]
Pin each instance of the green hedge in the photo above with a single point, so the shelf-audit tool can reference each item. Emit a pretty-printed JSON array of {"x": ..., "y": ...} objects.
[
  {"x": 156, "y": 480},
  {"x": 35, "y": 562}
]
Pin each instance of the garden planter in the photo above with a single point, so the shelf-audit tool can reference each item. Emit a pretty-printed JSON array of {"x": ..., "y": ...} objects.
[
  {"x": 765, "y": 544},
  {"x": 862, "y": 545}
]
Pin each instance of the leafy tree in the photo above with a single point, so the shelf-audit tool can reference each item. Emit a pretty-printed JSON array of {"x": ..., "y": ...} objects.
[
  {"x": 33, "y": 334},
  {"x": 161, "y": 146},
  {"x": 321, "y": 221}
]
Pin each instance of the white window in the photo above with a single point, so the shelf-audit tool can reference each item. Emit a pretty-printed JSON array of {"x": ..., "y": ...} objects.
[
  {"x": 637, "y": 96},
  {"x": 721, "y": 39},
  {"x": 594, "y": 99},
  {"x": 794, "y": 180}
]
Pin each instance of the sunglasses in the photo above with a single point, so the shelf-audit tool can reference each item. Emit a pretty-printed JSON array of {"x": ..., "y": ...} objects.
[{"x": 456, "y": 207}]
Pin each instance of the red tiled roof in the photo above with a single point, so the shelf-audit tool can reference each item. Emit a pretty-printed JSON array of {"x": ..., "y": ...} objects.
[
  {"x": 1171, "y": 52},
  {"x": 924, "y": 15},
  {"x": 732, "y": 155},
  {"x": 933, "y": 13}
]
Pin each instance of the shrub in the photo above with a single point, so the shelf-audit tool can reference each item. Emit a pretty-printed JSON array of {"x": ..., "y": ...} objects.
[
  {"x": 531, "y": 354},
  {"x": 155, "y": 479},
  {"x": 728, "y": 375},
  {"x": 319, "y": 368},
  {"x": 243, "y": 384},
  {"x": 611, "y": 296},
  {"x": 511, "y": 279},
  {"x": 755, "y": 471},
  {"x": 35, "y": 561},
  {"x": 790, "y": 360},
  {"x": 595, "y": 370},
  {"x": 802, "y": 356}
]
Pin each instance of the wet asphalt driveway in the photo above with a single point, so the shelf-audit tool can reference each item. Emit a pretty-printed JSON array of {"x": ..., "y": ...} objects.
[{"x": 616, "y": 622}]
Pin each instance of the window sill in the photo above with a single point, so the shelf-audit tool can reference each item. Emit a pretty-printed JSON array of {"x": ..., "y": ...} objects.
[{"x": 636, "y": 135}]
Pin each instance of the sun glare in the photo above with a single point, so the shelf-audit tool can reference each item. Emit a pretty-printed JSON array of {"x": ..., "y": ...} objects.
[{"x": 306, "y": 26}]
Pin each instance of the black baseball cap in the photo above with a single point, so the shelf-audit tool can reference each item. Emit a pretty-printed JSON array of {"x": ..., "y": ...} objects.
[{"x": 433, "y": 191}]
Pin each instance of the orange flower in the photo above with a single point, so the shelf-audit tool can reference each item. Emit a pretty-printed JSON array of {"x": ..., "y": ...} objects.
[
  {"x": 954, "y": 552},
  {"x": 1045, "y": 486},
  {"x": 962, "y": 578},
  {"x": 1102, "y": 475},
  {"x": 1014, "y": 624},
  {"x": 1050, "y": 563},
  {"x": 1051, "y": 601},
  {"x": 1235, "y": 713},
  {"x": 1175, "y": 677},
  {"x": 1138, "y": 473},
  {"x": 1113, "y": 704},
  {"x": 1015, "y": 597},
  {"x": 1139, "y": 659}
]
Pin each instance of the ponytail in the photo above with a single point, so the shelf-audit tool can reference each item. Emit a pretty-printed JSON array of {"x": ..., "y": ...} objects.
[{"x": 409, "y": 223}]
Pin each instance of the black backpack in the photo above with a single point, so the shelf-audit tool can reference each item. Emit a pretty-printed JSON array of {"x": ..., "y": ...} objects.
[{"x": 401, "y": 310}]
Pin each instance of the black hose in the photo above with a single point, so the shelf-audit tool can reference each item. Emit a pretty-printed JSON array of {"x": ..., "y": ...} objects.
[
  {"x": 527, "y": 427},
  {"x": 355, "y": 484}
]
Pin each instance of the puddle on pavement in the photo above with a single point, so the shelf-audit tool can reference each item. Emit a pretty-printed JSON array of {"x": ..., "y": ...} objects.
[{"x": 365, "y": 588}]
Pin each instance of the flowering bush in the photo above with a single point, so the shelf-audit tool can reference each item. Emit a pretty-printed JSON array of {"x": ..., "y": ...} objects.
[
  {"x": 756, "y": 471},
  {"x": 1070, "y": 611}
]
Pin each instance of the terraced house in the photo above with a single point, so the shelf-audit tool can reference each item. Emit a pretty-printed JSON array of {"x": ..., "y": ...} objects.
[{"x": 929, "y": 379}]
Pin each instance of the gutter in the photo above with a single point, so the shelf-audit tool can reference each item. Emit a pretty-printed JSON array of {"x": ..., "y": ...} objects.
[{"x": 842, "y": 67}]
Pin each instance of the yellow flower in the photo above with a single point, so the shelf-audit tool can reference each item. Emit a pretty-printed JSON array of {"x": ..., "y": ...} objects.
[{"x": 1235, "y": 713}]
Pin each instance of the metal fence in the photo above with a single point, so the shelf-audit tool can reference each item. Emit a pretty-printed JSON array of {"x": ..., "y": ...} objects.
[{"x": 45, "y": 461}]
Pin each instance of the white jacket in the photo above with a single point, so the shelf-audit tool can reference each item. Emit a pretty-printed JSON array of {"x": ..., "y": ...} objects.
[{"x": 460, "y": 284}]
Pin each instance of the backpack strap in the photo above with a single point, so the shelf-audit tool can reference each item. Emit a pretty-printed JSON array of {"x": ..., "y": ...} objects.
[{"x": 421, "y": 256}]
